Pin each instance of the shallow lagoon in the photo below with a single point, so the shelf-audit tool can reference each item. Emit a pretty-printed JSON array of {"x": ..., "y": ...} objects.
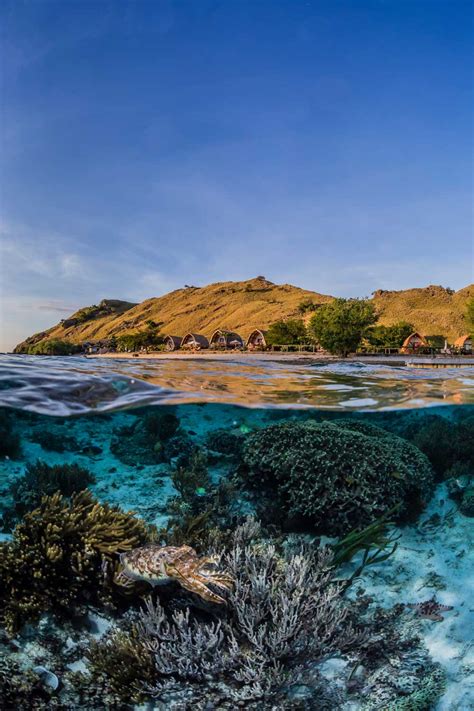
[{"x": 132, "y": 426}]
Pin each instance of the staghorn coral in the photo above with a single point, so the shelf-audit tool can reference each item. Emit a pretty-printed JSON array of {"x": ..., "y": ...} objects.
[
  {"x": 41, "y": 479},
  {"x": 330, "y": 478},
  {"x": 59, "y": 555}
]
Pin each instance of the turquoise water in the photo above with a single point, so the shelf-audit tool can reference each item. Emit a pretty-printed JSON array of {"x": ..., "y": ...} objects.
[{"x": 268, "y": 467}]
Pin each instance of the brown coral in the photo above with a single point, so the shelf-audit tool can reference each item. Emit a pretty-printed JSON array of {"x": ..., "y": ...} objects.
[{"x": 57, "y": 556}]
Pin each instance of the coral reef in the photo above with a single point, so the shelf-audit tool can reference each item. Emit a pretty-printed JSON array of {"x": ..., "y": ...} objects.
[
  {"x": 123, "y": 663},
  {"x": 224, "y": 442},
  {"x": 331, "y": 478},
  {"x": 193, "y": 479},
  {"x": 179, "y": 449},
  {"x": 152, "y": 438},
  {"x": 41, "y": 479},
  {"x": 466, "y": 506},
  {"x": 283, "y": 609},
  {"x": 445, "y": 442},
  {"x": 10, "y": 443},
  {"x": 58, "y": 556},
  {"x": 161, "y": 425},
  {"x": 23, "y": 689},
  {"x": 52, "y": 440}
]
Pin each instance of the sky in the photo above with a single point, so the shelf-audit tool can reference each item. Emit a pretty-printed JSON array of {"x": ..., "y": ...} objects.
[{"x": 153, "y": 143}]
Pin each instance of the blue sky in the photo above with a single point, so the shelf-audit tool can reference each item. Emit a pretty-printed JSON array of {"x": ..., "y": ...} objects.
[{"x": 149, "y": 144}]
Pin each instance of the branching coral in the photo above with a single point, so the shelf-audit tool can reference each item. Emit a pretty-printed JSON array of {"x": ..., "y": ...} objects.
[
  {"x": 58, "y": 555},
  {"x": 332, "y": 478}
]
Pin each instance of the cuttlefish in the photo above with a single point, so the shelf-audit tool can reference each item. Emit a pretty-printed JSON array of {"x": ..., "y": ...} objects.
[{"x": 157, "y": 564}]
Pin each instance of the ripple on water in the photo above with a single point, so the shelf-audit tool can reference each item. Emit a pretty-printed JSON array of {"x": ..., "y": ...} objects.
[{"x": 77, "y": 385}]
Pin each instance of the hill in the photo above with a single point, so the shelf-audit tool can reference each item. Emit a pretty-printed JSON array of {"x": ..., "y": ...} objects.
[
  {"x": 434, "y": 310},
  {"x": 256, "y": 303}
]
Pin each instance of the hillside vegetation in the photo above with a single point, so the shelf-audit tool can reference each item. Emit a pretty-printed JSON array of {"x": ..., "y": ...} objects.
[
  {"x": 434, "y": 310},
  {"x": 256, "y": 303}
]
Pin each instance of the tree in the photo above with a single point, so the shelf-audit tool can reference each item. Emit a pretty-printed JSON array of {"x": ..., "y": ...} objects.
[
  {"x": 389, "y": 336},
  {"x": 470, "y": 316},
  {"x": 54, "y": 346},
  {"x": 340, "y": 325},
  {"x": 286, "y": 332},
  {"x": 141, "y": 339}
]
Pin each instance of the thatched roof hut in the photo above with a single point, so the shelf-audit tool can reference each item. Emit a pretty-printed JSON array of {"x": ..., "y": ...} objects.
[
  {"x": 413, "y": 342},
  {"x": 194, "y": 341},
  {"x": 464, "y": 343},
  {"x": 256, "y": 340},
  {"x": 172, "y": 343},
  {"x": 226, "y": 339}
]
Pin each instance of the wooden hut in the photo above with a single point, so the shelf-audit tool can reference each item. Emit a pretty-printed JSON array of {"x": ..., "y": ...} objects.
[
  {"x": 172, "y": 343},
  {"x": 414, "y": 342},
  {"x": 256, "y": 340},
  {"x": 464, "y": 344},
  {"x": 226, "y": 339},
  {"x": 194, "y": 342}
]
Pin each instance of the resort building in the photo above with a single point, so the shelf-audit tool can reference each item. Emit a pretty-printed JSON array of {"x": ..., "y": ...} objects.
[
  {"x": 414, "y": 342},
  {"x": 194, "y": 342},
  {"x": 226, "y": 339},
  {"x": 256, "y": 340},
  {"x": 464, "y": 344},
  {"x": 172, "y": 343}
]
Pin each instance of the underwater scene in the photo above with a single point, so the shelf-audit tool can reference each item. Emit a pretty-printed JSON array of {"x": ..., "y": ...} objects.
[{"x": 202, "y": 535}]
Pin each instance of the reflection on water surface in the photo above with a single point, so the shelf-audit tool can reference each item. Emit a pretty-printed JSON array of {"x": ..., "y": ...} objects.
[{"x": 74, "y": 385}]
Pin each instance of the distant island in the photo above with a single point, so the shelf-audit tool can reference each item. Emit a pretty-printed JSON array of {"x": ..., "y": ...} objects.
[{"x": 243, "y": 306}]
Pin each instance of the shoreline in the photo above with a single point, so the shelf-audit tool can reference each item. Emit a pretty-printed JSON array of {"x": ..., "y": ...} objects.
[{"x": 309, "y": 358}]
